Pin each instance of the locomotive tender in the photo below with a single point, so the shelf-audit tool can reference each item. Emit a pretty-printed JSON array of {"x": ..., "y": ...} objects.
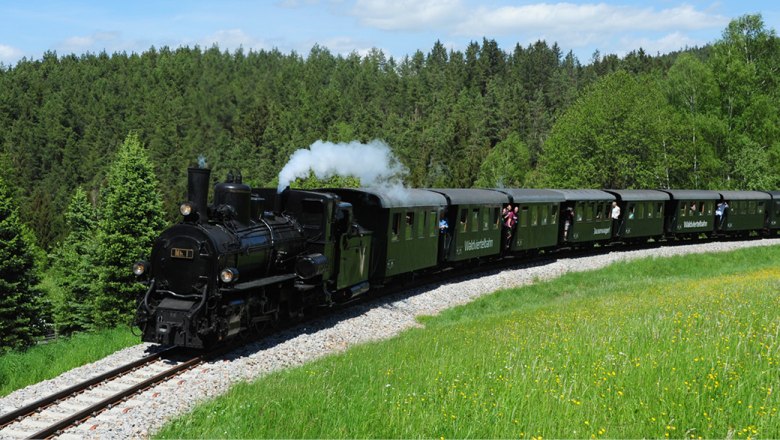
[{"x": 254, "y": 257}]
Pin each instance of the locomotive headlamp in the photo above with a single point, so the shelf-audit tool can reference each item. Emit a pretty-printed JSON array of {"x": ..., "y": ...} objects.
[
  {"x": 140, "y": 267},
  {"x": 229, "y": 275},
  {"x": 185, "y": 209}
]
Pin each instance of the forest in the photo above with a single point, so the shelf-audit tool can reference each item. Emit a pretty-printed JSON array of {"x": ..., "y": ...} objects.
[{"x": 83, "y": 137}]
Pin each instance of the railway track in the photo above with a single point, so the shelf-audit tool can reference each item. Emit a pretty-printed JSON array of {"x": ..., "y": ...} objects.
[{"x": 74, "y": 405}]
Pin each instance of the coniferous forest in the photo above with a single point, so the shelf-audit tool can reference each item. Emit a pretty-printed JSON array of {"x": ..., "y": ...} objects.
[{"x": 84, "y": 136}]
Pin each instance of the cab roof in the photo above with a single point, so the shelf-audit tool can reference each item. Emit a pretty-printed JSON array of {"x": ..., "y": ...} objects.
[{"x": 394, "y": 197}]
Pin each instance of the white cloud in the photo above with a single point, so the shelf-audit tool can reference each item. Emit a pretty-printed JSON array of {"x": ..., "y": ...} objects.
[
  {"x": 592, "y": 17},
  {"x": 407, "y": 14},
  {"x": 232, "y": 39},
  {"x": 668, "y": 43},
  {"x": 346, "y": 45},
  {"x": 98, "y": 41},
  {"x": 9, "y": 54}
]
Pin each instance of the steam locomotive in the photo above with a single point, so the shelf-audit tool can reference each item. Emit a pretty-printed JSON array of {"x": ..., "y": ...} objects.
[{"x": 254, "y": 257}]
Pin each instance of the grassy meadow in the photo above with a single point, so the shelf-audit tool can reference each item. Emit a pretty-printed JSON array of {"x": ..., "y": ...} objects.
[
  {"x": 46, "y": 361},
  {"x": 685, "y": 347}
]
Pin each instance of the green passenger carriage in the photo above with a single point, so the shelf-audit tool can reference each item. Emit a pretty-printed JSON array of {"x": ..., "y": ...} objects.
[
  {"x": 588, "y": 210},
  {"x": 773, "y": 219},
  {"x": 747, "y": 212},
  {"x": 641, "y": 214},
  {"x": 690, "y": 212},
  {"x": 474, "y": 219},
  {"x": 538, "y": 218}
]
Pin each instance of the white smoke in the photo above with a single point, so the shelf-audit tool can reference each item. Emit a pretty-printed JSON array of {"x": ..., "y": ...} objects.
[{"x": 373, "y": 163}]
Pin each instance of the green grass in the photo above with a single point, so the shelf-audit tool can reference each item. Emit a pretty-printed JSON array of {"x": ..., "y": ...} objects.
[
  {"x": 685, "y": 347},
  {"x": 41, "y": 362}
]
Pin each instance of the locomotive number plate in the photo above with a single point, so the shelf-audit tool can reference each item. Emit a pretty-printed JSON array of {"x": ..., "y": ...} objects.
[{"x": 186, "y": 254}]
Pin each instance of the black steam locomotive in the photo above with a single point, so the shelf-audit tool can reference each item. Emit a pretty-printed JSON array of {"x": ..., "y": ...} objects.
[{"x": 254, "y": 257}]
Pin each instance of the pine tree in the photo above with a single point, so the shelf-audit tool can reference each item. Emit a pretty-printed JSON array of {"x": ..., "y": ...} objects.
[
  {"x": 130, "y": 219},
  {"x": 18, "y": 296},
  {"x": 74, "y": 269}
]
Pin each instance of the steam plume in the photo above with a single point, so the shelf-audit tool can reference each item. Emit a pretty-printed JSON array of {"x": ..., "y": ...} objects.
[{"x": 373, "y": 163}]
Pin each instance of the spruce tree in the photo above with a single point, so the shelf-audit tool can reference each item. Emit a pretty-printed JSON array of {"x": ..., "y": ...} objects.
[
  {"x": 74, "y": 269},
  {"x": 18, "y": 296},
  {"x": 130, "y": 218}
]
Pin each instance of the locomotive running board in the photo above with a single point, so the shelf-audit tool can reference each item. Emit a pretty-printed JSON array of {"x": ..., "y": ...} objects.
[{"x": 240, "y": 287}]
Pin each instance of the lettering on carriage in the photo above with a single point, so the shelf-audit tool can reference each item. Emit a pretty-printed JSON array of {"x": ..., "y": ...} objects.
[
  {"x": 475, "y": 245},
  {"x": 600, "y": 231},
  {"x": 695, "y": 224}
]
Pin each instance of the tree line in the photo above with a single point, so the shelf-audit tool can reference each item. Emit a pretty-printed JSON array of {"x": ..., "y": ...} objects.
[{"x": 94, "y": 148}]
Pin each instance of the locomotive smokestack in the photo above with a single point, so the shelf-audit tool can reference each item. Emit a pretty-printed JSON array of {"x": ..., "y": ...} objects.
[{"x": 198, "y": 190}]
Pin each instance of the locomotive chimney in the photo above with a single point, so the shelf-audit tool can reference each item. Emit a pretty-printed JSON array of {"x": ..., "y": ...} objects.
[{"x": 198, "y": 190}]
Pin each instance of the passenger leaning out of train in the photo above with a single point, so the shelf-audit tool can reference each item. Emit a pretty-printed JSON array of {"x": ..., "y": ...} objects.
[
  {"x": 720, "y": 212},
  {"x": 615, "y": 216},
  {"x": 568, "y": 219},
  {"x": 510, "y": 219}
]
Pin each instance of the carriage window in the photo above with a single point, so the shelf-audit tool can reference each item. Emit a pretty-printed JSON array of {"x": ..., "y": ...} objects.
[
  {"x": 485, "y": 219},
  {"x": 421, "y": 224},
  {"x": 553, "y": 214},
  {"x": 396, "y": 226},
  {"x": 752, "y": 207},
  {"x": 649, "y": 210},
  {"x": 464, "y": 215},
  {"x": 599, "y": 210},
  {"x": 760, "y": 207},
  {"x": 631, "y": 211},
  {"x": 640, "y": 210},
  {"x": 409, "y": 228},
  {"x": 683, "y": 208},
  {"x": 579, "y": 210},
  {"x": 475, "y": 220},
  {"x": 534, "y": 216},
  {"x": 589, "y": 212},
  {"x": 659, "y": 208},
  {"x": 496, "y": 218},
  {"x": 743, "y": 207},
  {"x": 543, "y": 214},
  {"x": 432, "y": 224},
  {"x": 524, "y": 217}
]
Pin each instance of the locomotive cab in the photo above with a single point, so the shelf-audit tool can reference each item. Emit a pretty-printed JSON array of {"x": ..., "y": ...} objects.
[{"x": 336, "y": 262}]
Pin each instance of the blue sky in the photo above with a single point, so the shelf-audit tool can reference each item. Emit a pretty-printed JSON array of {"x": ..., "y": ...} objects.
[{"x": 397, "y": 27}]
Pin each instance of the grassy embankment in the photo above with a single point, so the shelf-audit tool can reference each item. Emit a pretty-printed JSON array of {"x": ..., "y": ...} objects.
[
  {"x": 685, "y": 347},
  {"x": 41, "y": 362}
]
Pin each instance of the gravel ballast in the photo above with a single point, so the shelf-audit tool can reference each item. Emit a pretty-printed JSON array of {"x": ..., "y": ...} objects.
[{"x": 382, "y": 318}]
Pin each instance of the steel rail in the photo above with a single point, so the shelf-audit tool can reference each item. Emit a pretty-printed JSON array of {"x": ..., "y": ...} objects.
[{"x": 8, "y": 418}]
